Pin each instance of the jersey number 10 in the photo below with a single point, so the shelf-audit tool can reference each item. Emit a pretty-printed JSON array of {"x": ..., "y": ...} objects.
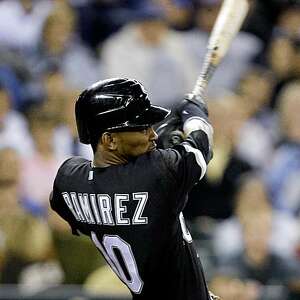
[{"x": 111, "y": 242}]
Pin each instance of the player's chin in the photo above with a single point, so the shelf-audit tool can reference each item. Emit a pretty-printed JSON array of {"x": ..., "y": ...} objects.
[{"x": 142, "y": 150}]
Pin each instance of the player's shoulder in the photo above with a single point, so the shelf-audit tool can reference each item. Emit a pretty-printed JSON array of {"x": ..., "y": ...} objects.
[{"x": 71, "y": 165}]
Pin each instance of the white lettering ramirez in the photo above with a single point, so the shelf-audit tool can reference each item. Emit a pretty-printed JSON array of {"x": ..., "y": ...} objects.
[{"x": 99, "y": 208}]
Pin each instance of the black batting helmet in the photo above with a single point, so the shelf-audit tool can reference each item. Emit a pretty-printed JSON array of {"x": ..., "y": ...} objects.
[{"x": 116, "y": 104}]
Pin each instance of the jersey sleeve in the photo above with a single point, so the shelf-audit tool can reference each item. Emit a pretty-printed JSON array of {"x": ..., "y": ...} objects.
[
  {"x": 195, "y": 152},
  {"x": 197, "y": 128},
  {"x": 188, "y": 160},
  {"x": 188, "y": 164},
  {"x": 59, "y": 204}
]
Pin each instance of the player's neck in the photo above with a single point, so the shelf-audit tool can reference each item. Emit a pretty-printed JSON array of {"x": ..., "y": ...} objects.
[{"x": 108, "y": 158}]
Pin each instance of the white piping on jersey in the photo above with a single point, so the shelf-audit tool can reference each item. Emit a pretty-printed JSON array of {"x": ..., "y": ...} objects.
[
  {"x": 197, "y": 123},
  {"x": 185, "y": 232},
  {"x": 91, "y": 175},
  {"x": 91, "y": 172},
  {"x": 199, "y": 158}
]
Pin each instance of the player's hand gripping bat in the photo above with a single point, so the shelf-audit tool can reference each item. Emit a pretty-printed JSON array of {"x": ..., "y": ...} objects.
[{"x": 227, "y": 25}]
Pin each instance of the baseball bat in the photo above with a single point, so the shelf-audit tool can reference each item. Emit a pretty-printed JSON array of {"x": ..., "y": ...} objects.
[{"x": 227, "y": 25}]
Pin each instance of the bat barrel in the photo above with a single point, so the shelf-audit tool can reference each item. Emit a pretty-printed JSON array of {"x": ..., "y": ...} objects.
[{"x": 227, "y": 25}]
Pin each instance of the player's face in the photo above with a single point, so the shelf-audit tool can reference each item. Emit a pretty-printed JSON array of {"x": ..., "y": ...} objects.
[{"x": 135, "y": 143}]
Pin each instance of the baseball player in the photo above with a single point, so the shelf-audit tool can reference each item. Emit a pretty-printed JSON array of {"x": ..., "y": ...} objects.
[{"x": 129, "y": 199}]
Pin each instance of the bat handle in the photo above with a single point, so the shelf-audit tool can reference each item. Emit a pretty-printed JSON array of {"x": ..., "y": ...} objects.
[
  {"x": 199, "y": 88},
  {"x": 208, "y": 70}
]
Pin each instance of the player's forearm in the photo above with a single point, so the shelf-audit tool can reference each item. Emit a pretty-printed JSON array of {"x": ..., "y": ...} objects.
[{"x": 197, "y": 128}]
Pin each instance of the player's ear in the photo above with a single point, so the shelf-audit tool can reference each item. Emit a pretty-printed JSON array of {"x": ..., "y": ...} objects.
[{"x": 108, "y": 140}]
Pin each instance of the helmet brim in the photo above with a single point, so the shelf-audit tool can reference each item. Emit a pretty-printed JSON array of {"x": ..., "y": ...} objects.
[{"x": 154, "y": 114}]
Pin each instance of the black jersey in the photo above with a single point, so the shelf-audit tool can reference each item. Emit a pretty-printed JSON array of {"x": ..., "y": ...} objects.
[{"x": 133, "y": 214}]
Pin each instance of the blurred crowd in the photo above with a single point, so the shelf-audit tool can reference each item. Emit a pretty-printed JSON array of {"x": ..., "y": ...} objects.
[{"x": 245, "y": 213}]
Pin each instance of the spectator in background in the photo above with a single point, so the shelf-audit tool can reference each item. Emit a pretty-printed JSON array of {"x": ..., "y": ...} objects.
[
  {"x": 26, "y": 240},
  {"x": 282, "y": 175},
  {"x": 228, "y": 115},
  {"x": 179, "y": 14},
  {"x": 261, "y": 124},
  {"x": 59, "y": 101},
  {"x": 55, "y": 90},
  {"x": 39, "y": 169},
  {"x": 244, "y": 49},
  {"x": 288, "y": 20},
  {"x": 282, "y": 57},
  {"x": 261, "y": 19},
  {"x": 274, "y": 277},
  {"x": 251, "y": 198},
  {"x": 14, "y": 76},
  {"x": 98, "y": 20},
  {"x": 147, "y": 49},
  {"x": 61, "y": 48},
  {"x": 13, "y": 126},
  {"x": 21, "y": 22},
  {"x": 283, "y": 53},
  {"x": 66, "y": 142},
  {"x": 232, "y": 288}
]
